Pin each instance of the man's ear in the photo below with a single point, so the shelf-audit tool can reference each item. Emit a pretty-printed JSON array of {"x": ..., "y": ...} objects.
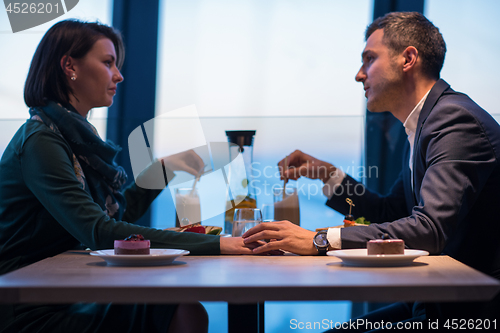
[
  {"x": 410, "y": 55},
  {"x": 68, "y": 65}
]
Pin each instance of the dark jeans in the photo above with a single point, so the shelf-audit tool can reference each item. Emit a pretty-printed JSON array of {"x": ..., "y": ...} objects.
[{"x": 83, "y": 318}]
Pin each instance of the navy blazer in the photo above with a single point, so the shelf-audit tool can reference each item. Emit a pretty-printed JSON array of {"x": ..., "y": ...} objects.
[{"x": 454, "y": 207}]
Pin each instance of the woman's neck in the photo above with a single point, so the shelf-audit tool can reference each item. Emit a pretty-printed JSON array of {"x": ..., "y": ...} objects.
[{"x": 79, "y": 107}]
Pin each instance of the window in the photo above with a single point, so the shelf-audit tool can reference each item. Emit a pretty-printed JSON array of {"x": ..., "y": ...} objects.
[
  {"x": 470, "y": 30},
  {"x": 283, "y": 68}
]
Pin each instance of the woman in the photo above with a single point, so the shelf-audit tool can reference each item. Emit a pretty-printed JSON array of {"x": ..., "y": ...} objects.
[{"x": 60, "y": 188}]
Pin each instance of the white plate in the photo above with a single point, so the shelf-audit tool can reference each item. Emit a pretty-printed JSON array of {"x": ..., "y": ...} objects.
[
  {"x": 157, "y": 257},
  {"x": 359, "y": 257}
]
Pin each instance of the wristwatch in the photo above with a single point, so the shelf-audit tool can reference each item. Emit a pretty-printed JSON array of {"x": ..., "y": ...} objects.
[{"x": 321, "y": 242}]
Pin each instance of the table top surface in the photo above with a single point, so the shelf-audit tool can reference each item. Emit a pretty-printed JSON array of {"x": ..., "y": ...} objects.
[{"x": 80, "y": 277}]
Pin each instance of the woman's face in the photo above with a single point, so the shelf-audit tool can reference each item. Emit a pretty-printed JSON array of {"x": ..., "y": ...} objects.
[{"x": 96, "y": 77}]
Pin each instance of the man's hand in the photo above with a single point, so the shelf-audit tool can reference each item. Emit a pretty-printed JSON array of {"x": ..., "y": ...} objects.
[
  {"x": 285, "y": 235},
  {"x": 300, "y": 164},
  {"x": 235, "y": 245}
]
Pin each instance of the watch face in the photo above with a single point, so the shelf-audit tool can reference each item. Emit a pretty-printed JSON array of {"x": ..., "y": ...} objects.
[{"x": 321, "y": 240}]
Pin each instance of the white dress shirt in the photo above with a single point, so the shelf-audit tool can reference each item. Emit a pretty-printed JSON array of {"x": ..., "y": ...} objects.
[{"x": 410, "y": 126}]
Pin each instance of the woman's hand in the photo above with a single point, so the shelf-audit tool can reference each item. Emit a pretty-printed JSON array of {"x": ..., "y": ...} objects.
[
  {"x": 236, "y": 245},
  {"x": 187, "y": 161},
  {"x": 154, "y": 177}
]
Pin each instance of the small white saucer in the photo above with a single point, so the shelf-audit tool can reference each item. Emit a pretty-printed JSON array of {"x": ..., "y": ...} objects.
[
  {"x": 157, "y": 257},
  {"x": 359, "y": 257}
]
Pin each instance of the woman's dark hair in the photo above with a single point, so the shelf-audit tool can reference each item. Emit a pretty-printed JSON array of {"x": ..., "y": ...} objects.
[
  {"x": 403, "y": 29},
  {"x": 74, "y": 38}
]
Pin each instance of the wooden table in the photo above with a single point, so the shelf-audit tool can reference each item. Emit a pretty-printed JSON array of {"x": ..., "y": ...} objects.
[{"x": 243, "y": 282}]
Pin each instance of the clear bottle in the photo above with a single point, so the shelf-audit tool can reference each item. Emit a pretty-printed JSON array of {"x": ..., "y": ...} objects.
[{"x": 241, "y": 191}]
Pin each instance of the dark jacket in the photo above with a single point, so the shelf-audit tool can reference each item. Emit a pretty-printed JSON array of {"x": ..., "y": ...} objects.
[{"x": 45, "y": 211}]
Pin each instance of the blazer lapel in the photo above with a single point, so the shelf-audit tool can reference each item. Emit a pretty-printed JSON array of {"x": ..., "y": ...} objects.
[{"x": 431, "y": 100}]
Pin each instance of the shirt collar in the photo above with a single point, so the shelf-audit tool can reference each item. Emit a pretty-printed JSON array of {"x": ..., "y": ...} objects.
[{"x": 411, "y": 122}]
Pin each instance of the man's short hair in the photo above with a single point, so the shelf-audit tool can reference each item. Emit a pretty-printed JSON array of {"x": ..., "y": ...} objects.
[{"x": 403, "y": 29}]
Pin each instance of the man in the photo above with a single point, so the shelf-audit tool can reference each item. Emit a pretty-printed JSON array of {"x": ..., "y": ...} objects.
[{"x": 447, "y": 197}]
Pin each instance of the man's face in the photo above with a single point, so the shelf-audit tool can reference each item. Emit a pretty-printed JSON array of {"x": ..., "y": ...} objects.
[{"x": 380, "y": 75}]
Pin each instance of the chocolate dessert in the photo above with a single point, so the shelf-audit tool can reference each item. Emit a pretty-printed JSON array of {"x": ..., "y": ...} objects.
[
  {"x": 133, "y": 244},
  {"x": 385, "y": 246}
]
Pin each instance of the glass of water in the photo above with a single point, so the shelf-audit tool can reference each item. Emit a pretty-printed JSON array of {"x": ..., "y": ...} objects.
[
  {"x": 245, "y": 219},
  {"x": 267, "y": 213}
]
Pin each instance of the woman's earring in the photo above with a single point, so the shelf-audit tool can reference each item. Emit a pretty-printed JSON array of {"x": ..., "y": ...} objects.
[{"x": 73, "y": 77}]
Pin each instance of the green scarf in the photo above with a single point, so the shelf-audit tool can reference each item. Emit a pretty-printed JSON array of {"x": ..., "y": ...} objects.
[{"x": 93, "y": 159}]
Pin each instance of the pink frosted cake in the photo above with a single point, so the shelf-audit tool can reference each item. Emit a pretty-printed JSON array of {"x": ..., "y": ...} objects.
[
  {"x": 133, "y": 244},
  {"x": 385, "y": 246}
]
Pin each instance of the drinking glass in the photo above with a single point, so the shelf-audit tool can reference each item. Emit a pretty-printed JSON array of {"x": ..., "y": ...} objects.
[
  {"x": 245, "y": 219},
  {"x": 268, "y": 213},
  {"x": 286, "y": 206},
  {"x": 187, "y": 206}
]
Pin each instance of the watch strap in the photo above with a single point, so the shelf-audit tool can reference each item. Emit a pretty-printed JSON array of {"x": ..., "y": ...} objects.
[{"x": 322, "y": 250}]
